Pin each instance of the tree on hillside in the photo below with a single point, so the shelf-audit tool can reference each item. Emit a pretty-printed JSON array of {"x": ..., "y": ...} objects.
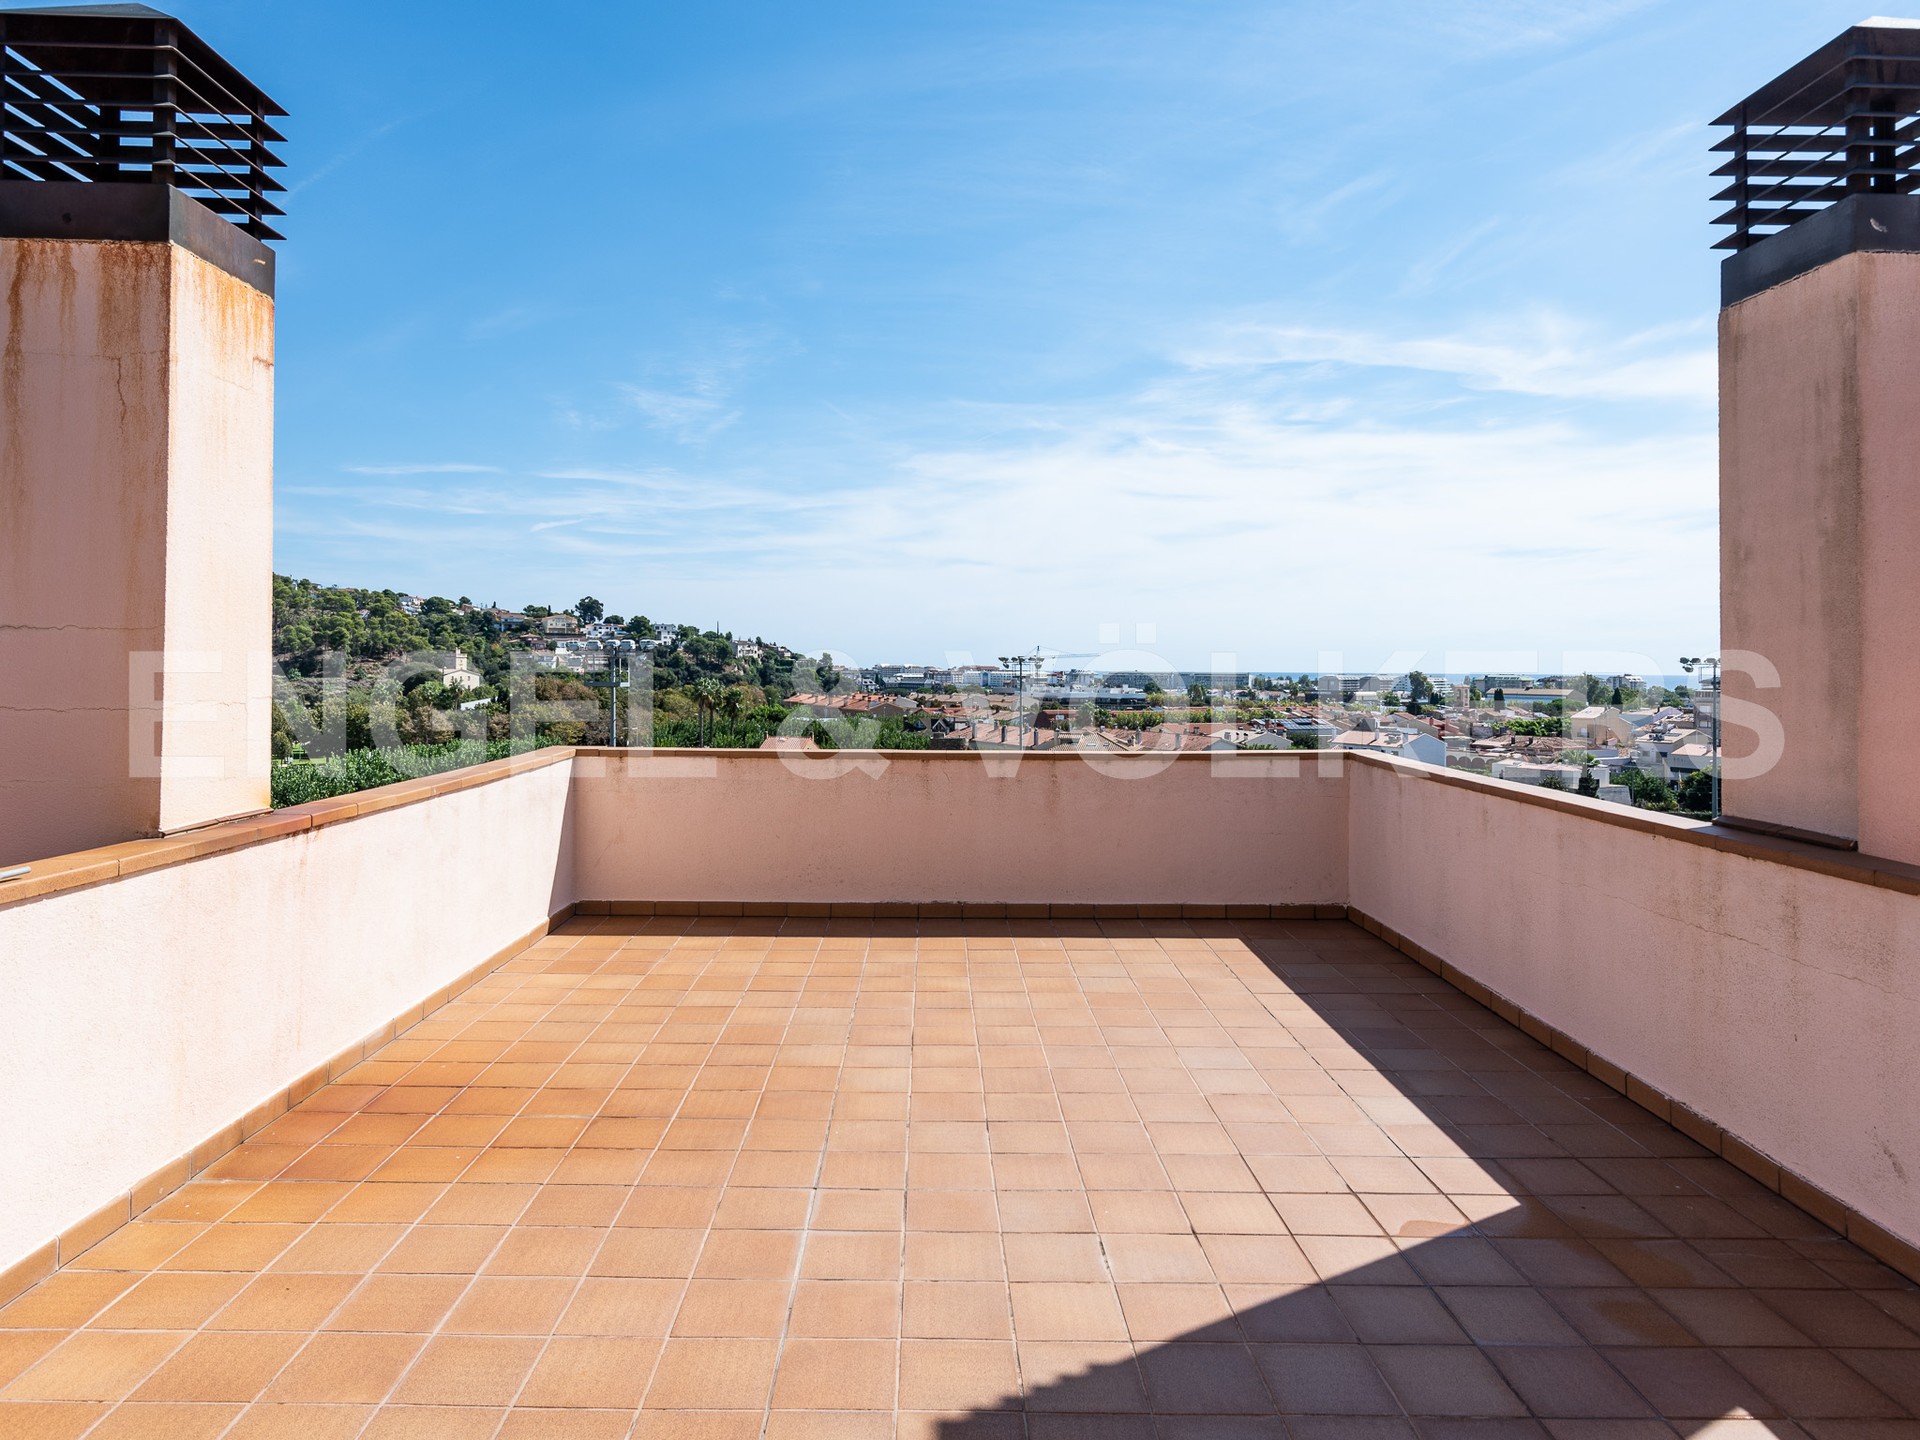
[
  {"x": 706, "y": 696},
  {"x": 588, "y": 609}
]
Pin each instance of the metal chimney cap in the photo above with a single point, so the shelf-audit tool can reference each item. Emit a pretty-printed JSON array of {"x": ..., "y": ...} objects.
[
  {"x": 1840, "y": 123},
  {"x": 1876, "y": 53},
  {"x": 1824, "y": 160},
  {"x": 126, "y": 95}
]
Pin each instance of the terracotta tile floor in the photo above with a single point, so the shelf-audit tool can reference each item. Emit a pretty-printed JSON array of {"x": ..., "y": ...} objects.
[{"x": 717, "y": 1179}]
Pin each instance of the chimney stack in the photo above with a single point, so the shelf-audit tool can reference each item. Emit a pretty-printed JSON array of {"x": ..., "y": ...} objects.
[
  {"x": 136, "y": 443},
  {"x": 1820, "y": 446}
]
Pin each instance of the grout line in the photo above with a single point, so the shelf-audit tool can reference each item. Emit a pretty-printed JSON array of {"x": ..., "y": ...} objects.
[
  {"x": 819, "y": 1174},
  {"x": 687, "y": 994},
  {"x": 1215, "y": 958}
]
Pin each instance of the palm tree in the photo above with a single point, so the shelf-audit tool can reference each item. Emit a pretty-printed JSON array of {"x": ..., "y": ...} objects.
[
  {"x": 706, "y": 695},
  {"x": 733, "y": 703}
]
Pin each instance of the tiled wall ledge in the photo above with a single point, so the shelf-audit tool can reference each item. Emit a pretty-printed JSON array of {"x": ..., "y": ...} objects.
[
  {"x": 1875, "y": 1239},
  {"x": 77, "y": 1239},
  {"x": 111, "y": 862}
]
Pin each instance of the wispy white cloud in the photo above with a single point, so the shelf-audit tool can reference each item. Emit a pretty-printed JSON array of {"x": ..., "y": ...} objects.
[
  {"x": 690, "y": 398},
  {"x": 1495, "y": 27},
  {"x": 1645, "y": 158},
  {"x": 431, "y": 467},
  {"x": 342, "y": 157},
  {"x": 1426, "y": 270},
  {"x": 1301, "y": 219},
  {"x": 1545, "y": 356},
  {"x": 688, "y": 415},
  {"x": 509, "y": 321}
]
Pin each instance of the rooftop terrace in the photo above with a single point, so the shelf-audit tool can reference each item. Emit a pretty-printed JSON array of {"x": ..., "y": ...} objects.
[
  {"x": 789, "y": 1094},
  {"x": 718, "y": 1178}
]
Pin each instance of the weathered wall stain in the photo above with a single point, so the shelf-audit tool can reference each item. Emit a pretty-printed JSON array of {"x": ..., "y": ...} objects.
[{"x": 135, "y": 480}]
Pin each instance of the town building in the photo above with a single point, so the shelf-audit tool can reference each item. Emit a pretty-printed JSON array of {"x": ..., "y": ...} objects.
[
  {"x": 457, "y": 672},
  {"x": 1600, "y": 725},
  {"x": 1401, "y": 743},
  {"x": 1487, "y": 684}
]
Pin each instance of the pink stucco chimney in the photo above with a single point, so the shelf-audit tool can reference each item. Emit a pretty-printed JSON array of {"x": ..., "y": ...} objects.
[
  {"x": 136, "y": 431},
  {"x": 1820, "y": 447}
]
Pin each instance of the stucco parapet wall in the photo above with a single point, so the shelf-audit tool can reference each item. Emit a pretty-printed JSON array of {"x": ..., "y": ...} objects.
[
  {"x": 1281, "y": 764},
  {"x": 95, "y": 867},
  {"x": 1798, "y": 854},
  {"x": 111, "y": 862}
]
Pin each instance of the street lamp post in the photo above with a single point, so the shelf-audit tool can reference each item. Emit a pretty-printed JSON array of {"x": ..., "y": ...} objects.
[
  {"x": 613, "y": 698},
  {"x": 1709, "y": 679},
  {"x": 1018, "y": 664}
]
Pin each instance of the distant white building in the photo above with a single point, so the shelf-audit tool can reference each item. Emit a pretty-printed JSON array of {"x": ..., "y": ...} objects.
[
  {"x": 1406, "y": 744},
  {"x": 1487, "y": 684},
  {"x": 459, "y": 673},
  {"x": 1534, "y": 772},
  {"x": 1686, "y": 759},
  {"x": 1600, "y": 725},
  {"x": 1653, "y": 752}
]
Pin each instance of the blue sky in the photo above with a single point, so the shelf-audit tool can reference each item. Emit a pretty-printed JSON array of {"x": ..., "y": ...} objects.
[{"x": 1307, "y": 331}]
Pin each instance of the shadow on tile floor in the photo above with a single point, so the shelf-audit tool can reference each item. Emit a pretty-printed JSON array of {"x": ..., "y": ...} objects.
[{"x": 1622, "y": 1282}]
